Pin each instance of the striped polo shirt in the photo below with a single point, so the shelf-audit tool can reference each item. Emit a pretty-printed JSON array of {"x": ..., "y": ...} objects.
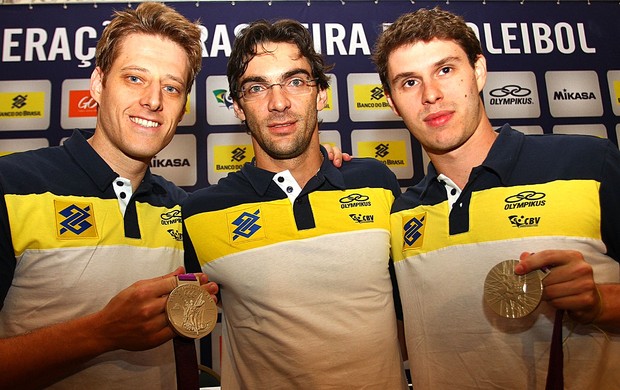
[
  {"x": 530, "y": 194},
  {"x": 66, "y": 249},
  {"x": 306, "y": 291}
]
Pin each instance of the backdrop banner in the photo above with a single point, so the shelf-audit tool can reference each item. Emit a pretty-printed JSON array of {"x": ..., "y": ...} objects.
[{"x": 553, "y": 68}]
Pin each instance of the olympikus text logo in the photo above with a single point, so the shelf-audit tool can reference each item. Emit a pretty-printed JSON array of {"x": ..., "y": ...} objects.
[
  {"x": 510, "y": 94},
  {"x": 509, "y": 101},
  {"x": 354, "y": 200},
  {"x": 171, "y": 217},
  {"x": 567, "y": 95},
  {"x": 525, "y": 199}
]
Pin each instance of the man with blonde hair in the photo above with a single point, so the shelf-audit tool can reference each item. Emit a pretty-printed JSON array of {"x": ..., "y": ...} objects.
[{"x": 83, "y": 246}]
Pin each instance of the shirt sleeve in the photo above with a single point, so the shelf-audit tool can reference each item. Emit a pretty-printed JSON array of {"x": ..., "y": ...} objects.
[
  {"x": 7, "y": 253},
  {"x": 609, "y": 193}
]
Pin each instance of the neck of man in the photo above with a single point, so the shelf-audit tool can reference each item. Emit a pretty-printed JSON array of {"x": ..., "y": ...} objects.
[
  {"x": 457, "y": 164},
  {"x": 124, "y": 165},
  {"x": 303, "y": 167}
]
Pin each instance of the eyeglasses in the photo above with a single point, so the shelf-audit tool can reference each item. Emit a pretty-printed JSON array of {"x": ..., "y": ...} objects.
[{"x": 295, "y": 86}]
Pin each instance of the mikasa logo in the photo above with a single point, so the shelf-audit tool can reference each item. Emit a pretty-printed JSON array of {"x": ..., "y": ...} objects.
[
  {"x": 568, "y": 95},
  {"x": 169, "y": 162},
  {"x": 574, "y": 93}
]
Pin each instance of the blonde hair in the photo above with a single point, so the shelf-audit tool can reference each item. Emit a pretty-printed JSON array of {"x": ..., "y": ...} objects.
[{"x": 152, "y": 19}]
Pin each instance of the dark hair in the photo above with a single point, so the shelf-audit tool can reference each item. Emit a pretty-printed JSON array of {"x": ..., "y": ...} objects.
[
  {"x": 255, "y": 35},
  {"x": 424, "y": 25},
  {"x": 152, "y": 19}
]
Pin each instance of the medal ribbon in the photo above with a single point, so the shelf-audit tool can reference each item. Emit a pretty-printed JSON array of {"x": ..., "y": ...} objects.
[
  {"x": 555, "y": 372},
  {"x": 186, "y": 363}
]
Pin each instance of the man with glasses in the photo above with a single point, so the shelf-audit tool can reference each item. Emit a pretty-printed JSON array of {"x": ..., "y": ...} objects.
[{"x": 299, "y": 248}]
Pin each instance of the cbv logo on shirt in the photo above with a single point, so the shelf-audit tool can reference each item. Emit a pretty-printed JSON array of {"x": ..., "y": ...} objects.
[{"x": 521, "y": 221}]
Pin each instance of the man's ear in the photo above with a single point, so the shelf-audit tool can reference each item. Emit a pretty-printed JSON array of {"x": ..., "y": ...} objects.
[
  {"x": 480, "y": 70},
  {"x": 321, "y": 99},
  {"x": 96, "y": 84},
  {"x": 238, "y": 111},
  {"x": 391, "y": 103}
]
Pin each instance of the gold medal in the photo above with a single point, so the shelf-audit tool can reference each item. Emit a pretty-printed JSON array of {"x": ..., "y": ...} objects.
[
  {"x": 191, "y": 311},
  {"x": 511, "y": 295}
]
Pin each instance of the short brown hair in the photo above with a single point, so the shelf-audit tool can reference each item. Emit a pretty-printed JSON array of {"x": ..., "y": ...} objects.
[
  {"x": 260, "y": 32},
  {"x": 424, "y": 25},
  {"x": 152, "y": 19}
]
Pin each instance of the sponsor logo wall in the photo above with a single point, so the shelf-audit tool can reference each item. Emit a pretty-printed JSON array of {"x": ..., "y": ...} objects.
[{"x": 554, "y": 67}]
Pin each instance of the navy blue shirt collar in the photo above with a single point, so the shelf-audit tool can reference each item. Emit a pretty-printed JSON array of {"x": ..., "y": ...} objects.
[
  {"x": 261, "y": 179},
  {"x": 96, "y": 168},
  {"x": 501, "y": 158}
]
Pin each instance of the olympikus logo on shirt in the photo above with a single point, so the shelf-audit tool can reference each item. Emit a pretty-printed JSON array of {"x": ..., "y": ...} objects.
[
  {"x": 525, "y": 199},
  {"x": 171, "y": 217},
  {"x": 354, "y": 200},
  {"x": 75, "y": 220},
  {"x": 413, "y": 231}
]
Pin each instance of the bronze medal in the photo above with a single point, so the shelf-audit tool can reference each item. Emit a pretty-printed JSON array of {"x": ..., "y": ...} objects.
[
  {"x": 191, "y": 311},
  {"x": 511, "y": 295}
]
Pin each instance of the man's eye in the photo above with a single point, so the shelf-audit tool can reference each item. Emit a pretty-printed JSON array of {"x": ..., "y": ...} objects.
[
  {"x": 445, "y": 69},
  {"x": 255, "y": 88},
  {"x": 296, "y": 82},
  {"x": 410, "y": 83},
  {"x": 134, "y": 79},
  {"x": 171, "y": 89}
]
